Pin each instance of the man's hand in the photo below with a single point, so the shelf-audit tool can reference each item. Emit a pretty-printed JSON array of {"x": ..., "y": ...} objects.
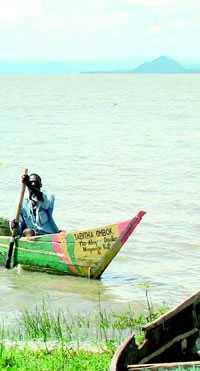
[
  {"x": 25, "y": 179},
  {"x": 14, "y": 224}
]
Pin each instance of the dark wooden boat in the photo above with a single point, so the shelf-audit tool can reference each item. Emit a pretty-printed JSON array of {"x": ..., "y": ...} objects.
[{"x": 170, "y": 341}]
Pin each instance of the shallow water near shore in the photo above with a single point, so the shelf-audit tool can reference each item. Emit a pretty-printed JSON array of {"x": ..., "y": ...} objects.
[{"x": 107, "y": 146}]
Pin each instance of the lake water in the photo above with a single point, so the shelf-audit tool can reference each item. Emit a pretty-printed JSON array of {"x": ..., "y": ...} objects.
[{"x": 107, "y": 146}]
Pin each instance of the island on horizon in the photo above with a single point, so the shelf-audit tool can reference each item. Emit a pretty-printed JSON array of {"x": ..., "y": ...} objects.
[{"x": 163, "y": 64}]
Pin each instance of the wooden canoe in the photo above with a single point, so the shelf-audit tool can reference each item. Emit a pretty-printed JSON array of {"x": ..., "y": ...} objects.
[
  {"x": 170, "y": 341},
  {"x": 83, "y": 253}
]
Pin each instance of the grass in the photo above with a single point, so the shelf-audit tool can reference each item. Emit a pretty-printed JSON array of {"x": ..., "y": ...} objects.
[
  {"x": 97, "y": 329},
  {"x": 60, "y": 359},
  {"x": 60, "y": 337}
]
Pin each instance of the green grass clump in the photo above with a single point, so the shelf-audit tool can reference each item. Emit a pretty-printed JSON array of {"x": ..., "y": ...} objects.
[
  {"x": 60, "y": 359},
  {"x": 101, "y": 329},
  {"x": 58, "y": 338}
]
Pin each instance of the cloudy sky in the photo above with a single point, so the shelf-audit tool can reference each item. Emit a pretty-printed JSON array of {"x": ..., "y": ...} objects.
[{"x": 134, "y": 30}]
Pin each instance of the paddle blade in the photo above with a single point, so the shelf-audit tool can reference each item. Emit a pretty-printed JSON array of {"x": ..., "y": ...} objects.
[{"x": 10, "y": 253}]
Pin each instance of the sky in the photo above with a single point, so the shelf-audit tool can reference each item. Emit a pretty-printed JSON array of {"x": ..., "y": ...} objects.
[{"x": 131, "y": 30}]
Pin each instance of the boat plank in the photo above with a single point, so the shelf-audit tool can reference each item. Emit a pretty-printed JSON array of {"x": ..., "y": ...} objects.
[{"x": 161, "y": 366}]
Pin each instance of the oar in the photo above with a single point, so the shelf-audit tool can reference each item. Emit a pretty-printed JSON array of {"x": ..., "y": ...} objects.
[{"x": 14, "y": 231}]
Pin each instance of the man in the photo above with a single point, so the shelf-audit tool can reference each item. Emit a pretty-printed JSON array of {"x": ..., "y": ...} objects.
[{"x": 36, "y": 214}]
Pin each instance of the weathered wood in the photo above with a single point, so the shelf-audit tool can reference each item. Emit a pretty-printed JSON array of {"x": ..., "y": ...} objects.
[
  {"x": 185, "y": 317},
  {"x": 166, "y": 366},
  {"x": 172, "y": 313},
  {"x": 175, "y": 348},
  {"x": 124, "y": 354},
  {"x": 171, "y": 338}
]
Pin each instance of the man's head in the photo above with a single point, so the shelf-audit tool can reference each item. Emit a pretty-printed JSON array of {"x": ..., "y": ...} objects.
[{"x": 35, "y": 181}]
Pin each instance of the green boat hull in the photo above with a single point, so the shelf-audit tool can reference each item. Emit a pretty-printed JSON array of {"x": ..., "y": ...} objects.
[{"x": 83, "y": 253}]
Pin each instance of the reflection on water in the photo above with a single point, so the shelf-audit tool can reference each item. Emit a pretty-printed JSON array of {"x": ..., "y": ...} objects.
[
  {"x": 23, "y": 289},
  {"x": 24, "y": 285}
]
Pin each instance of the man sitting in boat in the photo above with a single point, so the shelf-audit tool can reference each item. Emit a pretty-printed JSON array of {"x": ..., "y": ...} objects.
[{"x": 36, "y": 214}]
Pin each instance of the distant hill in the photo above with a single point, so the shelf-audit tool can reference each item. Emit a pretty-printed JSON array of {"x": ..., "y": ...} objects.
[{"x": 161, "y": 65}]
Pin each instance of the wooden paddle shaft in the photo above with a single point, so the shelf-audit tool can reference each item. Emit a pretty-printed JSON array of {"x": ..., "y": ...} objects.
[{"x": 19, "y": 206}]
